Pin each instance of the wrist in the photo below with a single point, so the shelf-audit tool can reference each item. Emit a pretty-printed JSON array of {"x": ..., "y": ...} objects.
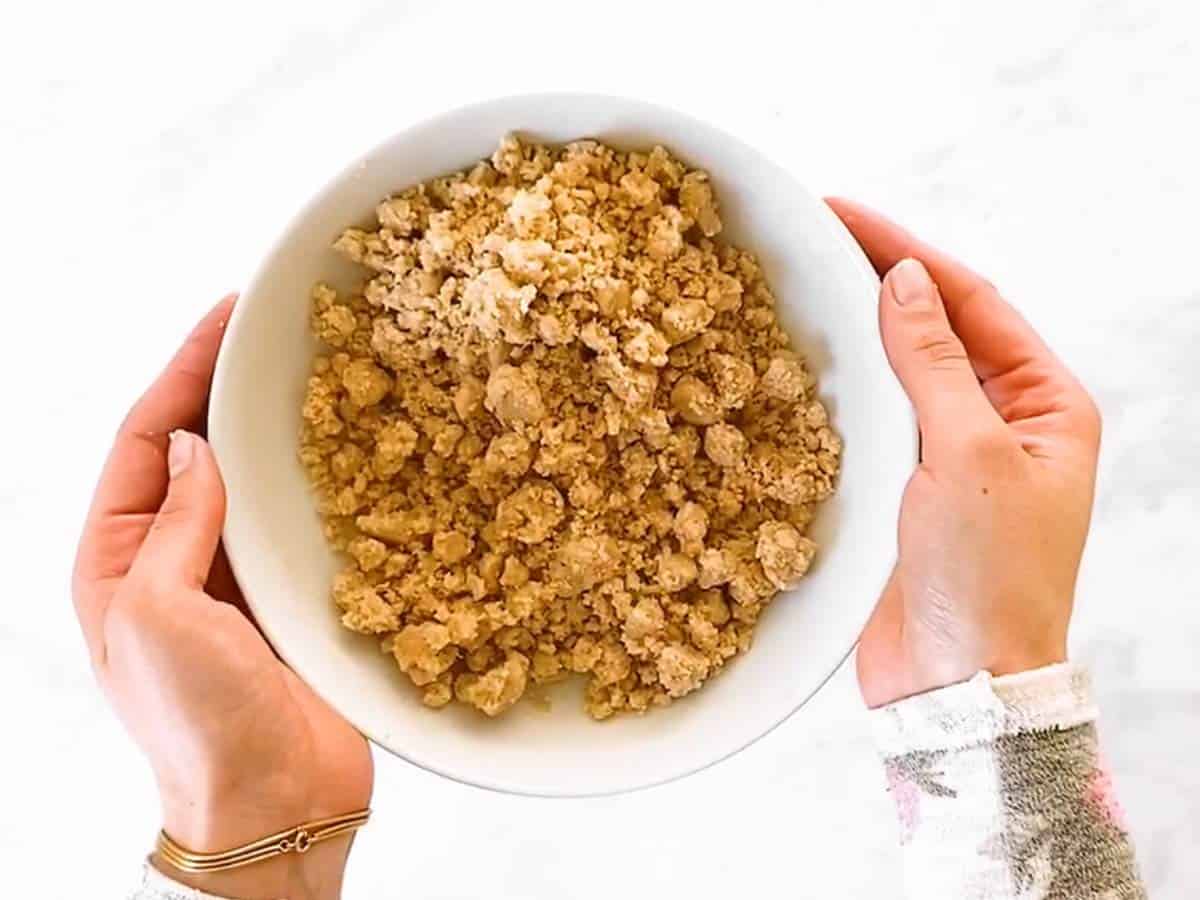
[
  {"x": 221, "y": 818},
  {"x": 995, "y": 658},
  {"x": 315, "y": 876}
]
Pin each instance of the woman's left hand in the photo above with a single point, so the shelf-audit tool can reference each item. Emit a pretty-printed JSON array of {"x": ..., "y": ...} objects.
[{"x": 240, "y": 746}]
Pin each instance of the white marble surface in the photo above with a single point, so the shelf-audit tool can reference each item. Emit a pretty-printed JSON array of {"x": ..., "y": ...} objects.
[{"x": 150, "y": 151}]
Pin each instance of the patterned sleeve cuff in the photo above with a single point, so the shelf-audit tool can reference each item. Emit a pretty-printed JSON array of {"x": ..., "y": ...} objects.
[
  {"x": 983, "y": 709},
  {"x": 157, "y": 886}
]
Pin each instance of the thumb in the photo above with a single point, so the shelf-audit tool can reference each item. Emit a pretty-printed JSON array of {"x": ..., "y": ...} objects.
[
  {"x": 180, "y": 545},
  {"x": 928, "y": 357}
]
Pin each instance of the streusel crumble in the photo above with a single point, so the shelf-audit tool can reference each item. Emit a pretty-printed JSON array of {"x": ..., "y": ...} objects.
[{"x": 559, "y": 429}]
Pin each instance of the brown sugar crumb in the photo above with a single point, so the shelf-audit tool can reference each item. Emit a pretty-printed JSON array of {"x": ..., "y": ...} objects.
[
  {"x": 682, "y": 669},
  {"x": 724, "y": 444},
  {"x": 784, "y": 553},
  {"x": 496, "y": 689},
  {"x": 785, "y": 379},
  {"x": 558, "y": 429},
  {"x": 514, "y": 397}
]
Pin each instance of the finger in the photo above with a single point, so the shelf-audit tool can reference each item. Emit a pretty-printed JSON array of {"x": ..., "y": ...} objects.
[
  {"x": 134, "y": 480},
  {"x": 930, "y": 360},
  {"x": 1021, "y": 376},
  {"x": 994, "y": 334},
  {"x": 177, "y": 399},
  {"x": 180, "y": 545}
]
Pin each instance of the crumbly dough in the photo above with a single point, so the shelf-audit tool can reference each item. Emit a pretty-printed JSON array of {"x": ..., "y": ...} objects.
[{"x": 559, "y": 430}]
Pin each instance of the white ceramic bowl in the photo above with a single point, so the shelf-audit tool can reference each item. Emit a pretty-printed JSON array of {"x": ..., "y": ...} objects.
[{"x": 827, "y": 293}]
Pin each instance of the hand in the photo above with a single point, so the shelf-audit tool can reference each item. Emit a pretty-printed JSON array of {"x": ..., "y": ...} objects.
[
  {"x": 995, "y": 517},
  {"x": 239, "y": 745}
]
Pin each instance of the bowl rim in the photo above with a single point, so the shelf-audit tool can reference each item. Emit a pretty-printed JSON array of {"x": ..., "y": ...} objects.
[{"x": 849, "y": 247}]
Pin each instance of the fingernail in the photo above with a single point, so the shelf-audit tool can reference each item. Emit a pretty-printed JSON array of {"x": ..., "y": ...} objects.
[
  {"x": 180, "y": 452},
  {"x": 910, "y": 283}
]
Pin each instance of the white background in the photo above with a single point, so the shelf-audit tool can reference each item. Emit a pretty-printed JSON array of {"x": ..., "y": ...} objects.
[{"x": 150, "y": 151}]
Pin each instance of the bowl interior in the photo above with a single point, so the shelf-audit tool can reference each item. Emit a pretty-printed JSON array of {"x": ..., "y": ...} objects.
[{"x": 827, "y": 293}]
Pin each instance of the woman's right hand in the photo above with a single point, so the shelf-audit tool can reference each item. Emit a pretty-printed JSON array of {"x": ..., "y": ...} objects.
[
  {"x": 240, "y": 746},
  {"x": 995, "y": 517}
]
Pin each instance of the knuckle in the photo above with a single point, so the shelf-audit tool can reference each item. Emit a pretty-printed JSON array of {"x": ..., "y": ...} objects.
[
  {"x": 986, "y": 288},
  {"x": 171, "y": 515},
  {"x": 128, "y": 423},
  {"x": 81, "y": 591},
  {"x": 131, "y": 430},
  {"x": 1091, "y": 419},
  {"x": 121, "y": 620},
  {"x": 129, "y": 616},
  {"x": 145, "y": 587},
  {"x": 982, "y": 291},
  {"x": 938, "y": 347}
]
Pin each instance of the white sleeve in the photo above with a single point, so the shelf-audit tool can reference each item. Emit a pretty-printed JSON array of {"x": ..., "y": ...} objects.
[
  {"x": 157, "y": 886},
  {"x": 1002, "y": 794}
]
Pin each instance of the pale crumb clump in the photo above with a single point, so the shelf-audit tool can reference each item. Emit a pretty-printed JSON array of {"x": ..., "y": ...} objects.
[
  {"x": 559, "y": 430},
  {"x": 784, "y": 553},
  {"x": 496, "y": 689},
  {"x": 725, "y": 445}
]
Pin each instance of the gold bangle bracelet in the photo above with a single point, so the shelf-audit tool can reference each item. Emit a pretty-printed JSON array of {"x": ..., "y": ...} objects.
[{"x": 293, "y": 840}]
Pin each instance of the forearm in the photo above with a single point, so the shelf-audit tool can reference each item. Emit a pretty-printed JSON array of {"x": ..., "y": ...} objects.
[{"x": 1001, "y": 793}]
